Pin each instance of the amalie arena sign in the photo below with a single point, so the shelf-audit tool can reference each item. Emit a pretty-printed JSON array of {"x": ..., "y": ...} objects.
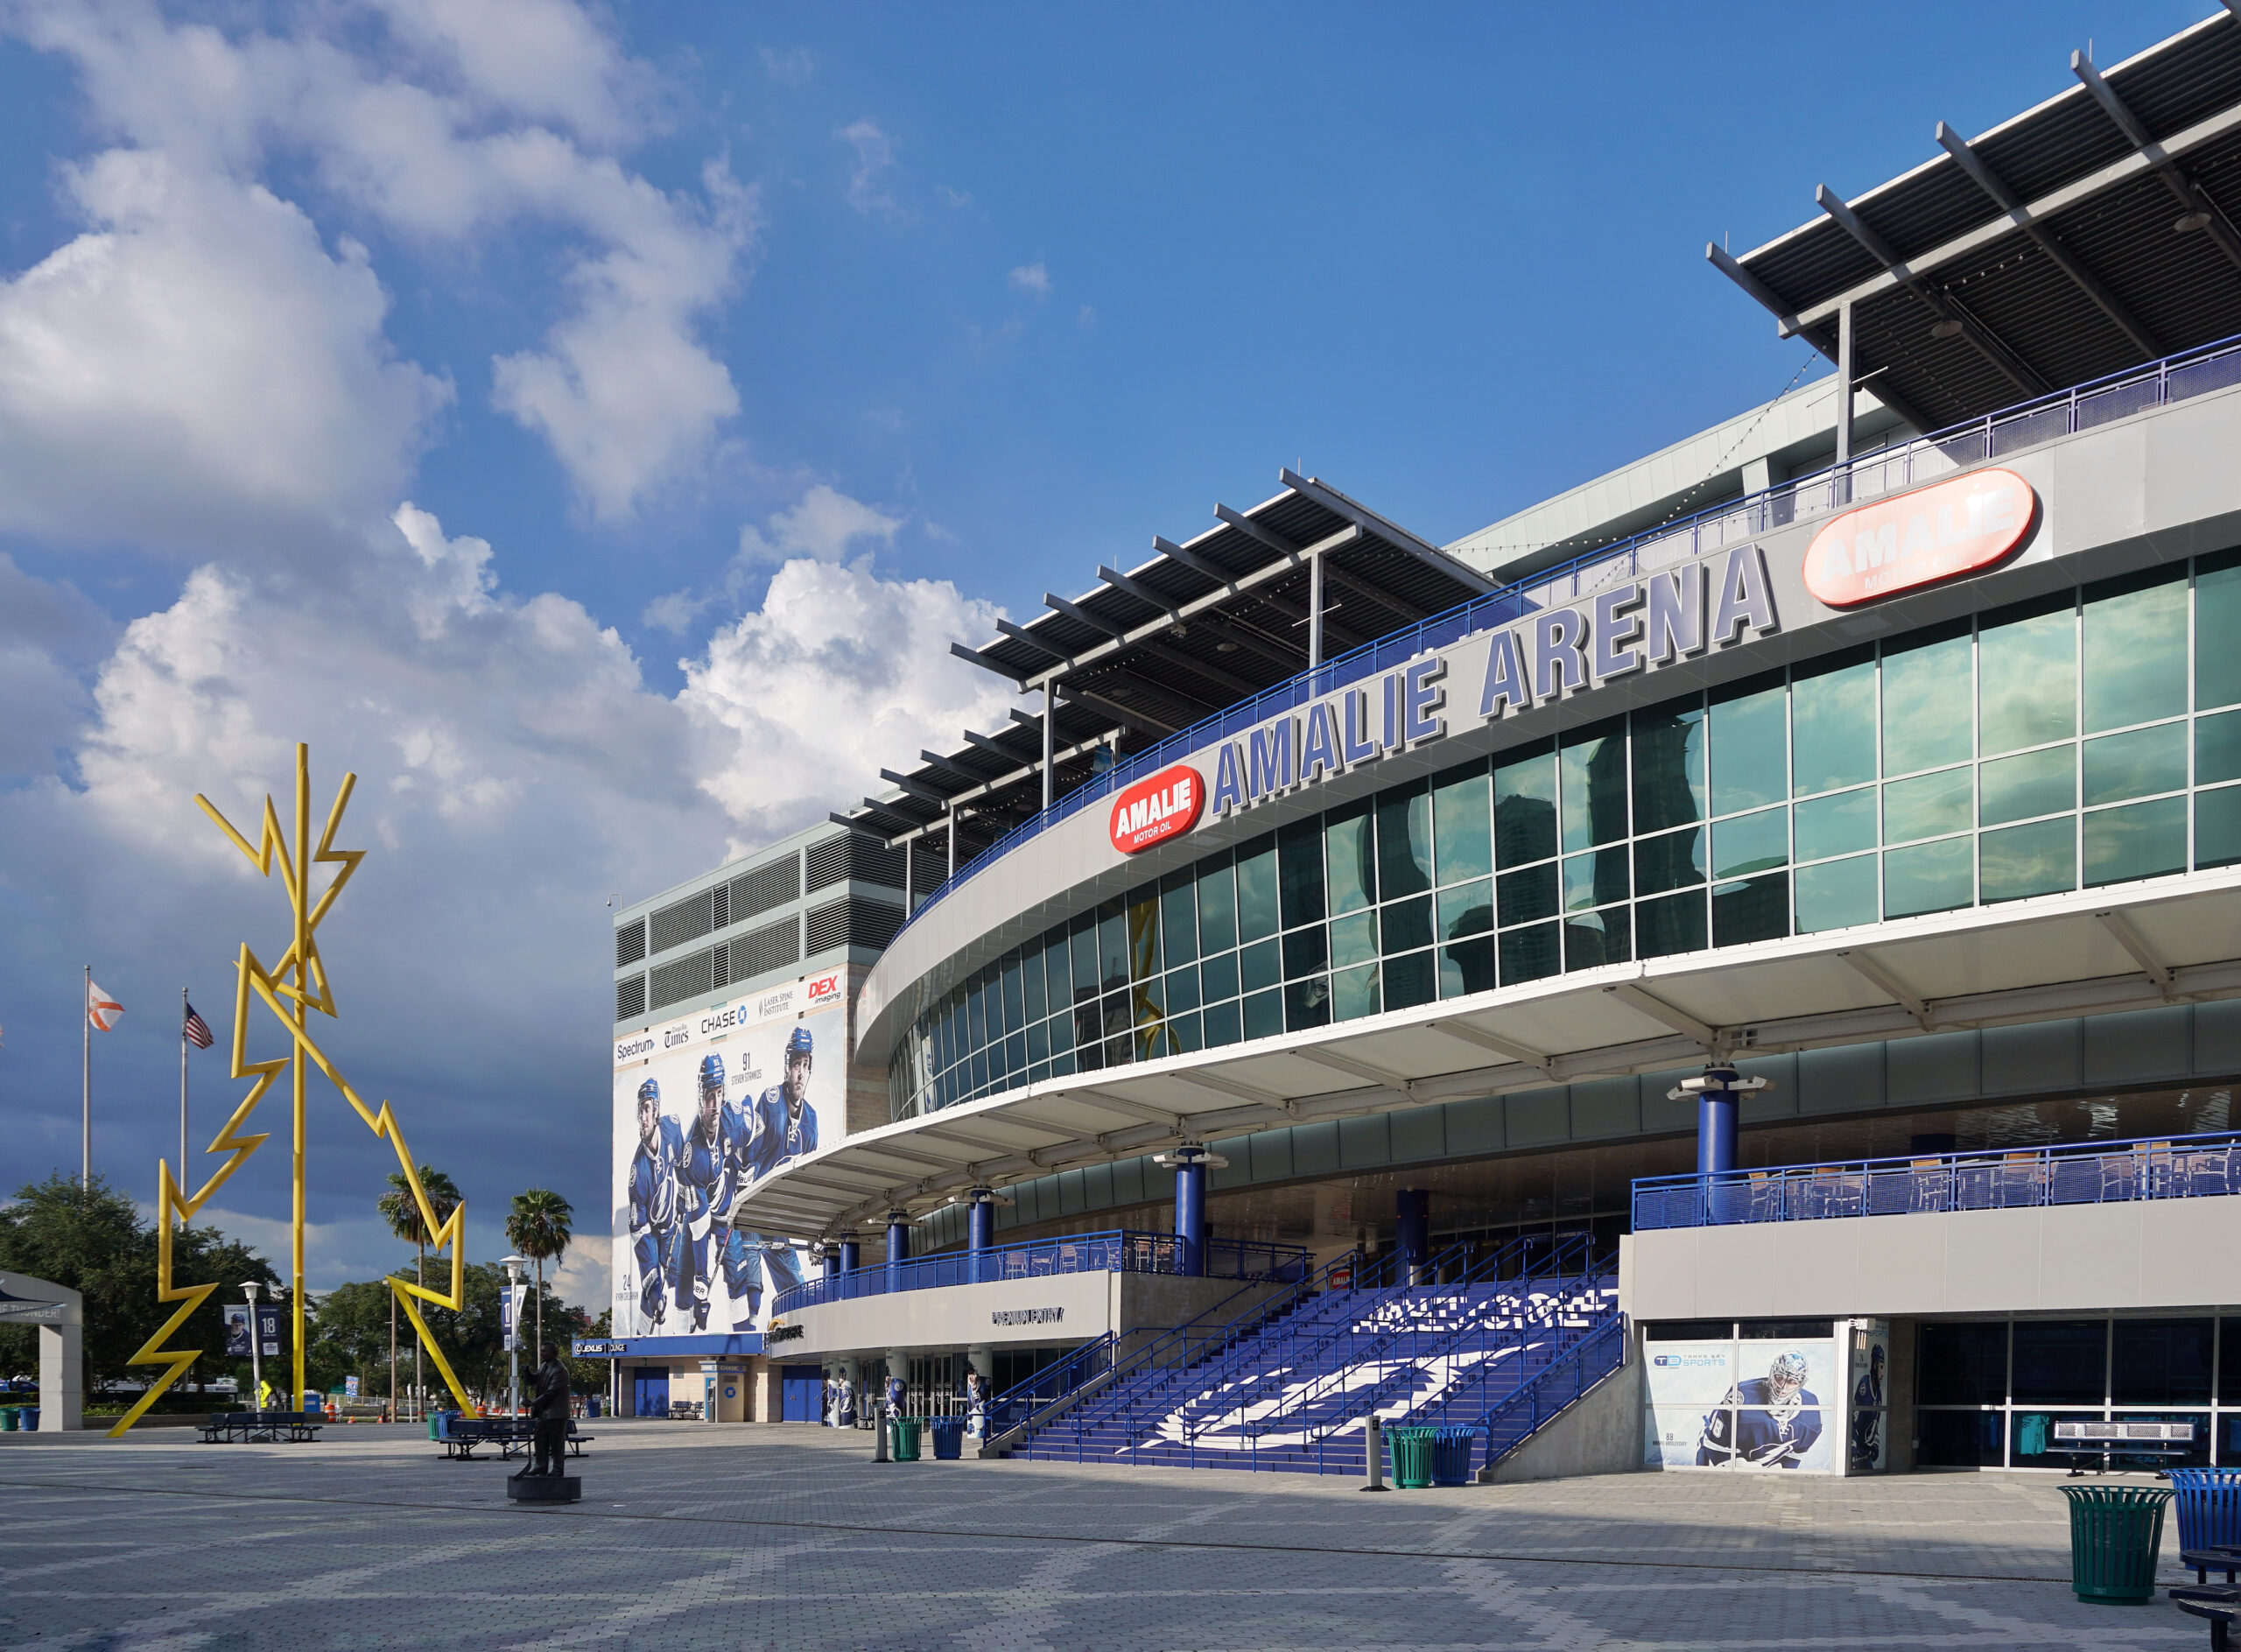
[{"x": 1153, "y": 809}]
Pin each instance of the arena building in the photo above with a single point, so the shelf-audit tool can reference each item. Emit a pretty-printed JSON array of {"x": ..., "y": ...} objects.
[{"x": 1736, "y": 965}]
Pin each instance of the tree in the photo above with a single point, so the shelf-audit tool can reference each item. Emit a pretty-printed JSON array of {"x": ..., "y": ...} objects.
[
  {"x": 402, "y": 1211},
  {"x": 538, "y": 1227}
]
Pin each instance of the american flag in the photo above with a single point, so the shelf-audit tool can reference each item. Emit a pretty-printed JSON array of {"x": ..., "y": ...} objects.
[{"x": 197, "y": 1030}]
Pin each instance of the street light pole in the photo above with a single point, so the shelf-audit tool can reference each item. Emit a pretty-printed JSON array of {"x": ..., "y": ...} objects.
[
  {"x": 514, "y": 1336},
  {"x": 249, "y": 1287}
]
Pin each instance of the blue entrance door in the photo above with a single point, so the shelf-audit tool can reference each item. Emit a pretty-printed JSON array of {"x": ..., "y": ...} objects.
[
  {"x": 801, "y": 1396},
  {"x": 649, "y": 1391}
]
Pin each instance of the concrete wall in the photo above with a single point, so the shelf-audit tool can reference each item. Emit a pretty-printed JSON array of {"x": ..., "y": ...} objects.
[
  {"x": 2139, "y": 1254},
  {"x": 1600, "y": 1434}
]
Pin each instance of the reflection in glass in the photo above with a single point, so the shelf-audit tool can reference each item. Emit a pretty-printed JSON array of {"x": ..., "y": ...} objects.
[
  {"x": 1669, "y": 766},
  {"x": 1930, "y": 877},
  {"x": 2061, "y": 1361},
  {"x": 1751, "y": 843},
  {"x": 1468, "y": 909},
  {"x": 1595, "y": 879},
  {"x": 1307, "y": 952},
  {"x": 1349, "y": 848},
  {"x": 1353, "y": 993},
  {"x": 1256, "y": 889},
  {"x": 1264, "y": 1015},
  {"x": 1927, "y": 806},
  {"x": 1257, "y": 965},
  {"x": 1299, "y": 868},
  {"x": 1112, "y": 946},
  {"x": 1959, "y": 1439},
  {"x": 2217, "y": 827},
  {"x": 1593, "y": 764},
  {"x": 1223, "y": 1024},
  {"x": 1353, "y": 938},
  {"x": 1307, "y": 1003},
  {"x": 1926, "y": 694},
  {"x": 1529, "y": 954},
  {"x": 1593, "y": 939},
  {"x": 2160, "y": 1362},
  {"x": 1669, "y": 862},
  {"x": 1755, "y": 909},
  {"x": 2217, "y": 615},
  {"x": 2217, "y": 745},
  {"x": 1405, "y": 925},
  {"x": 1410, "y": 980},
  {"x": 1460, "y": 828},
  {"x": 1525, "y": 810},
  {"x": 1840, "y": 824},
  {"x": 1404, "y": 840},
  {"x": 1217, "y": 906},
  {"x": 1750, "y": 748},
  {"x": 2028, "y": 784},
  {"x": 1525, "y": 895},
  {"x": 1832, "y": 722},
  {"x": 1220, "y": 974},
  {"x": 1673, "y": 924},
  {"x": 1466, "y": 967},
  {"x": 2136, "y": 765},
  {"x": 2135, "y": 670},
  {"x": 1183, "y": 989},
  {"x": 2038, "y": 859},
  {"x": 1143, "y": 934},
  {"x": 1836, "y": 895},
  {"x": 2027, "y": 675},
  {"x": 2135, "y": 840}
]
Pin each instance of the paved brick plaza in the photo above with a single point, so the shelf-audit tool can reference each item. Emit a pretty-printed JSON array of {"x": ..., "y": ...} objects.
[{"x": 696, "y": 1536}]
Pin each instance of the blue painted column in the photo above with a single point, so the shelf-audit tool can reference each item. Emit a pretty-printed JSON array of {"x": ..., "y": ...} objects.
[
  {"x": 898, "y": 1247},
  {"x": 1716, "y": 1122},
  {"x": 1413, "y": 1210},
  {"x": 980, "y": 1232},
  {"x": 1190, "y": 1208},
  {"x": 852, "y": 1255},
  {"x": 828, "y": 1260}
]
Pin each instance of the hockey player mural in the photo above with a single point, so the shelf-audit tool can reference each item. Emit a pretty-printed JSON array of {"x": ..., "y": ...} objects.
[
  {"x": 683, "y": 1267},
  {"x": 1769, "y": 1422}
]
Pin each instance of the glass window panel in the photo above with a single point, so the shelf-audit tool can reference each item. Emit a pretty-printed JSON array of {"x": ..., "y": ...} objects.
[
  {"x": 1178, "y": 921},
  {"x": 1031, "y": 983},
  {"x": 1750, "y": 747},
  {"x": 1085, "y": 953},
  {"x": 1219, "y": 975},
  {"x": 1353, "y": 938},
  {"x": 1593, "y": 769},
  {"x": 1836, "y": 895},
  {"x": 1832, "y": 722},
  {"x": 2135, "y": 765},
  {"x": 1113, "y": 948},
  {"x": 1014, "y": 1005},
  {"x": 1184, "y": 1034},
  {"x": 1594, "y": 938},
  {"x": 1307, "y": 1003},
  {"x": 1751, "y": 843},
  {"x": 1143, "y": 935},
  {"x": 1670, "y": 862},
  {"x": 1673, "y": 924},
  {"x": 1299, "y": 861},
  {"x": 2027, "y": 675},
  {"x": 2135, "y": 648},
  {"x": 2061, "y": 1361},
  {"x": 2160, "y": 1362},
  {"x": 1959, "y": 1439},
  {"x": 2030, "y": 1437},
  {"x": 1462, "y": 829},
  {"x": 1256, "y": 889},
  {"x": 2228, "y": 1365},
  {"x": 1183, "y": 989},
  {"x": 1467, "y": 968},
  {"x": 1307, "y": 952},
  {"x": 1089, "y": 1034},
  {"x": 1120, "y": 1023},
  {"x": 976, "y": 1016},
  {"x": 1468, "y": 909},
  {"x": 1596, "y": 879},
  {"x": 1223, "y": 1024},
  {"x": 2217, "y": 745},
  {"x": 1930, "y": 877},
  {"x": 2140, "y": 839},
  {"x": 2217, "y": 617},
  {"x": 1062, "y": 1034},
  {"x": 1755, "y": 909},
  {"x": 1960, "y": 1364},
  {"x": 2029, "y": 783},
  {"x": 1926, "y": 701},
  {"x": 1405, "y": 925},
  {"x": 1264, "y": 1015},
  {"x": 1216, "y": 906},
  {"x": 1038, "y": 1042},
  {"x": 1668, "y": 765},
  {"x": 1348, "y": 845},
  {"x": 1525, "y": 809},
  {"x": 2038, "y": 859},
  {"x": 1843, "y": 823},
  {"x": 1259, "y": 966},
  {"x": 1522, "y": 896},
  {"x": 1409, "y": 981},
  {"x": 1927, "y": 806},
  {"x": 1353, "y": 993},
  {"x": 1404, "y": 840},
  {"x": 1529, "y": 954},
  {"x": 2217, "y": 827}
]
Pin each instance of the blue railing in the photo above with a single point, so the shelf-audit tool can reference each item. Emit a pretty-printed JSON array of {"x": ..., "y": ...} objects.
[
  {"x": 1513, "y": 1420},
  {"x": 1052, "y": 1384},
  {"x": 1126, "y": 1251},
  {"x": 2085, "y": 1173},
  {"x": 1889, "y": 469}
]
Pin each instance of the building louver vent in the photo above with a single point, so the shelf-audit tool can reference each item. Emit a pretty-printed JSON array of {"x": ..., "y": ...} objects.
[
  {"x": 631, "y": 998},
  {"x": 761, "y": 951},
  {"x": 682, "y": 921},
  {"x": 686, "y": 978},
  {"x": 755, "y": 892},
  {"x": 870, "y": 862},
  {"x": 869, "y": 924},
  {"x": 828, "y": 863},
  {"x": 927, "y": 871},
  {"x": 630, "y": 942},
  {"x": 825, "y": 927},
  {"x": 720, "y": 963}
]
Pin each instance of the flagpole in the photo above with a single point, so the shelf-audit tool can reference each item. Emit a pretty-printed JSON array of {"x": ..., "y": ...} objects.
[
  {"x": 182, "y": 1099},
  {"x": 86, "y": 1097}
]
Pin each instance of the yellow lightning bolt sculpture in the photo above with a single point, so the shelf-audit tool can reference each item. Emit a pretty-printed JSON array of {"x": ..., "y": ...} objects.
[{"x": 290, "y": 990}]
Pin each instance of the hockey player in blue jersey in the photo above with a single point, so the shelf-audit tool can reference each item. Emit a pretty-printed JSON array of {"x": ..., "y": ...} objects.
[
  {"x": 1769, "y": 1422},
  {"x": 713, "y": 1170},
  {"x": 657, "y": 1237},
  {"x": 785, "y": 1124}
]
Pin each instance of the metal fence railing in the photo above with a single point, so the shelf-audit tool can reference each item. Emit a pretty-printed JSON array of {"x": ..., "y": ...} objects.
[
  {"x": 1890, "y": 469},
  {"x": 1127, "y": 1250},
  {"x": 2084, "y": 1173}
]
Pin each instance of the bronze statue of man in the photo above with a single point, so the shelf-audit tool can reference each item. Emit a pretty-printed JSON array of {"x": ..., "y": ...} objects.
[{"x": 550, "y": 1409}]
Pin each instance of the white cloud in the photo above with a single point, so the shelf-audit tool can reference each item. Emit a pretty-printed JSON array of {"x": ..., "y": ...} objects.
[
  {"x": 1032, "y": 278},
  {"x": 1085, "y": 317},
  {"x": 954, "y": 198},
  {"x": 789, "y": 68},
  {"x": 869, "y": 191},
  {"x": 825, "y": 525}
]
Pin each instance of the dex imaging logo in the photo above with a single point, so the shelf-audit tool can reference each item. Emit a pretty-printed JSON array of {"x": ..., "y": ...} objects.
[{"x": 825, "y": 990}]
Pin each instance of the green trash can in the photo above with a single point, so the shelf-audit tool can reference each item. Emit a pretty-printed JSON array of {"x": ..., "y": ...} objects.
[
  {"x": 7, "y": 1419},
  {"x": 1412, "y": 1456},
  {"x": 2114, "y": 1533},
  {"x": 905, "y": 1440}
]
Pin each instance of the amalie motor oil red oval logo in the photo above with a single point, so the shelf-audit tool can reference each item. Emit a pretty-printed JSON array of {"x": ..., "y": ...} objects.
[
  {"x": 1154, "y": 810},
  {"x": 1933, "y": 533}
]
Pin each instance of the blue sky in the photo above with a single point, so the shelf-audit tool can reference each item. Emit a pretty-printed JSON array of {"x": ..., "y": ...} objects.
[{"x": 593, "y": 428}]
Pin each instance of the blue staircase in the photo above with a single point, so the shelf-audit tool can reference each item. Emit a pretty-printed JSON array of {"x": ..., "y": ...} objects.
[{"x": 1499, "y": 1347}]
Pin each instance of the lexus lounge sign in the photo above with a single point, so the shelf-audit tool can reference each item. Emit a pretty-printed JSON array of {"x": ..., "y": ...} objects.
[
  {"x": 1164, "y": 806},
  {"x": 1933, "y": 533}
]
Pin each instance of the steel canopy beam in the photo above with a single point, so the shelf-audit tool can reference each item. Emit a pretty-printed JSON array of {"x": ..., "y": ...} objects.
[
  {"x": 1423, "y": 550},
  {"x": 1788, "y": 326},
  {"x": 2181, "y": 185}
]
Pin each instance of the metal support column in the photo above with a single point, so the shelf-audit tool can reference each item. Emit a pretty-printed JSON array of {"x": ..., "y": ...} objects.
[
  {"x": 1413, "y": 1236},
  {"x": 1049, "y": 722},
  {"x": 1314, "y": 612},
  {"x": 898, "y": 1247},
  {"x": 979, "y": 1230},
  {"x": 951, "y": 835},
  {"x": 1191, "y": 1161},
  {"x": 1846, "y": 367}
]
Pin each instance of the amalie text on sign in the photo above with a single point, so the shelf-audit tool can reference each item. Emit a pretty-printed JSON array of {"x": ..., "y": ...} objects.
[
  {"x": 1153, "y": 810},
  {"x": 1933, "y": 533}
]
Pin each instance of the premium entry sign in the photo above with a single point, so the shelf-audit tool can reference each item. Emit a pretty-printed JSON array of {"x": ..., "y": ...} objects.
[{"x": 1933, "y": 533}]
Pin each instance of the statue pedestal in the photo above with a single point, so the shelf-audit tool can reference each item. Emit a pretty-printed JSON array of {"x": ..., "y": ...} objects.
[{"x": 544, "y": 1488}]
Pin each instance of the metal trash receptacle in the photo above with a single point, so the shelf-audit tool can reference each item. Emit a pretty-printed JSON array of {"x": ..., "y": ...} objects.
[
  {"x": 28, "y": 1417},
  {"x": 2207, "y": 1507},
  {"x": 1452, "y": 1455},
  {"x": 7, "y": 1419},
  {"x": 2114, "y": 1533},
  {"x": 949, "y": 1437},
  {"x": 904, "y": 1439},
  {"x": 1412, "y": 1456}
]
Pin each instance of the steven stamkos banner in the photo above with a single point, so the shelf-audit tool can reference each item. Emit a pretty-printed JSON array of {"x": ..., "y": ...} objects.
[{"x": 704, "y": 1107}]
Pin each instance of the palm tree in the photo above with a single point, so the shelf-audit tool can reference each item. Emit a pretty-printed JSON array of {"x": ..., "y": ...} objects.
[
  {"x": 402, "y": 1211},
  {"x": 538, "y": 1227}
]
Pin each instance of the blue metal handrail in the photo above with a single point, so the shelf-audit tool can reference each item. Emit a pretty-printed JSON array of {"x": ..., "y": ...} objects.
[
  {"x": 2027, "y": 424},
  {"x": 2079, "y": 1173},
  {"x": 1053, "y": 1383},
  {"x": 1124, "y": 1250},
  {"x": 1556, "y": 1386}
]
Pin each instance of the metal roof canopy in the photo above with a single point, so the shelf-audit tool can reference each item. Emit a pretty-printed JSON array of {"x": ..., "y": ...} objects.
[
  {"x": 1157, "y": 648},
  {"x": 2082, "y": 237},
  {"x": 2090, "y": 951}
]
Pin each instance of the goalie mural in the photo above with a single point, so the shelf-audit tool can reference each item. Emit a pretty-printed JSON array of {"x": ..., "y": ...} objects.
[{"x": 706, "y": 1106}]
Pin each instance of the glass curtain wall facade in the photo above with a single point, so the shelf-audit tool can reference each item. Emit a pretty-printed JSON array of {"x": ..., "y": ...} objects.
[{"x": 2090, "y": 738}]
